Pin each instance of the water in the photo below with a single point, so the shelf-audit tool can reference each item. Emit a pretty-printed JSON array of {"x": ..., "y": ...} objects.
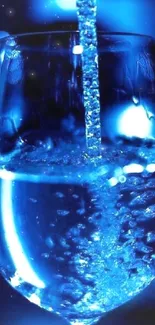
[
  {"x": 76, "y": 239},
  {"x": 86, "y": 11}
]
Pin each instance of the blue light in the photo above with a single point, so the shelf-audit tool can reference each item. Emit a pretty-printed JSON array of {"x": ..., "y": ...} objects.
[
  {"x": 67, "y": 4},
  {"x": 49, "y": 11},
  {"x": 133, "y": 122},
  {"x": 120, "y": 15},
  {"x": 44, "y": 10}
]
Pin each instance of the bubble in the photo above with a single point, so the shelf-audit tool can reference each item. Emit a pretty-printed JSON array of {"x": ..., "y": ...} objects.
[
  {"x": 141, "y": 247},
  {"x": 81, "y": 226},
  {"x": 122, "y": 179},
  {"x": 45, "y": 255},
  {"x": 59, "y": 195},
  {"x": 73, "y": 289},
  {"x": 63, "y": 213},
  {"x": 113, "y": 181},
  {"x": 33, "y": 200},
  {"x": 75, "y": 196},
  {"x": 151, "y": 237},
  {"x": 52, "y": 225},
  {"x": 67, "y": 253},
  {"x": 81, "y": 211},
  {"x": 64, "y": 243},
  {"x": 143, "y": 198},
  {"x": 132, "y": 224},
  {"x": 48, "y": 144},
  {"x": 96, "y": 236},
  {"x": 73, "y": 232},
  {"x": 139, "y": 233},
  {"x": 88, "y": 277},
  {"x": 49, "y": 242},
  {"x": 60, "y": 259}
]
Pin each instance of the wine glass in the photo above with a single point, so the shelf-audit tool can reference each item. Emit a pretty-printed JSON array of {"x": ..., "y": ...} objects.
[{"x": 77, "y": 236}]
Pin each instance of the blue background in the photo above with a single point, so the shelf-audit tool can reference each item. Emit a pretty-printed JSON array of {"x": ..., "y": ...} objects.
[
  {"x": 40, "y": 15},
  {"x": 18, "y": 16}
]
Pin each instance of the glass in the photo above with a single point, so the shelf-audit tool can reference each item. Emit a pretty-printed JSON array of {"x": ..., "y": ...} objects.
[{"x": 77, "y": 236}]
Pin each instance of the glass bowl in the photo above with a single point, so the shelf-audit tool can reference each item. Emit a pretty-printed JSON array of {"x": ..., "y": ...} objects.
[{"x": 77, "y": 237}]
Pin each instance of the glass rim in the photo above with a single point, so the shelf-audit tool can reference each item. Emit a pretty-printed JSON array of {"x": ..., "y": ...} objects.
[{"x": 55, "y": 32}]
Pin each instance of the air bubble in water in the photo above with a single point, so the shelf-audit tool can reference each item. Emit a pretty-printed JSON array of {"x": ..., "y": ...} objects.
[
  {"x": 59, "y": 195},
  {"x": 151, "y": 237},
  {"x": 45, "y": 255},
  {"x": 64, "y": 243},
  {"x": 63, "y": 213},
  {"x": 33, "y": 200},
  {"x": 81, "y": 211},
  {"x": 49, "y": 242}
]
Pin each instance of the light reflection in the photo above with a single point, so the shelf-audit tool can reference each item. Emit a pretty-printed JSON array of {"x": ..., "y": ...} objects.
[
  {"x": 15, "y": 280},
  {"x": 113, "y": 181},
  {"x": 133, "y": 168},
  {"x": 150, "y": 168},
  {"x": 77, "y": 49},
  {"x": 23, "y": 267},
  {"x": 133, "y": 122},
  {"x": 34, "y": 299},
  {"x": 2, "y": 56},
  {"x": 67, "y": 5}
]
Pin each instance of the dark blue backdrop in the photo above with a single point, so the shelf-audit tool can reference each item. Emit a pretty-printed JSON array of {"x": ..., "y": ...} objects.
[{"x": 18, "y": 16}]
